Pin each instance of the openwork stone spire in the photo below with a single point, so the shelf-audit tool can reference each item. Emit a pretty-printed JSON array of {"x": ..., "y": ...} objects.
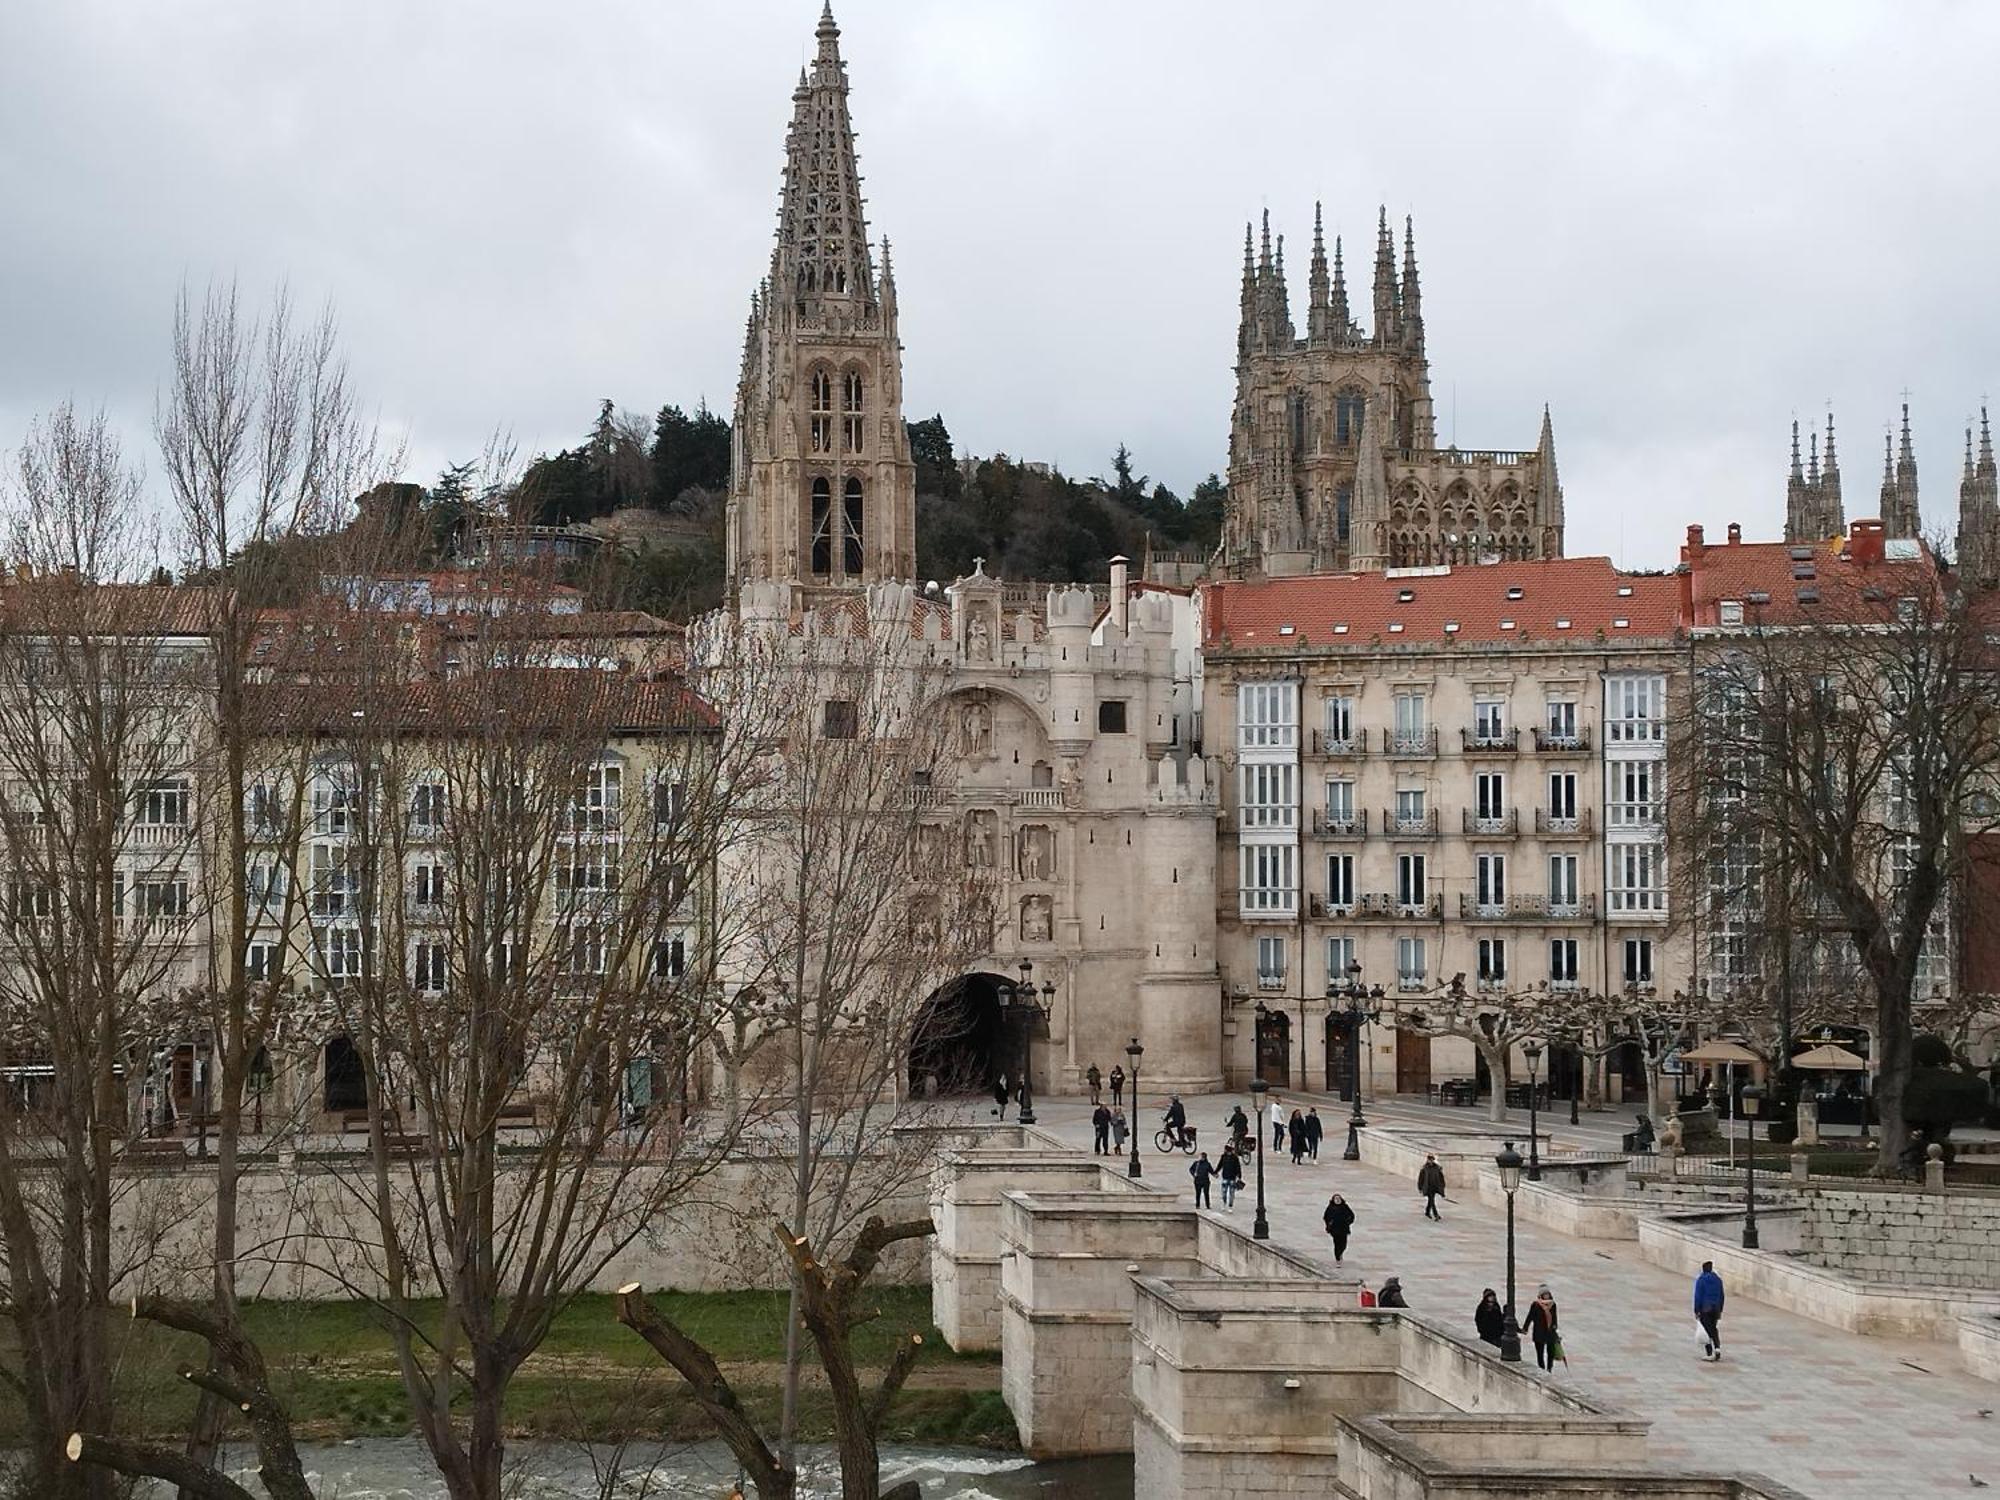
[{"x": 822, "y": 253}]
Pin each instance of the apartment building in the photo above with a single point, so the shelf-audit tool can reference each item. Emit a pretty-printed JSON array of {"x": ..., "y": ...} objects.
[{"x": 1434, "y": 772}]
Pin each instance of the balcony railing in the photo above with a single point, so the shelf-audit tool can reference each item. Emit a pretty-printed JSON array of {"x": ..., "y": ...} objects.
[
  {"x": 1382, "y": 906},
  {"x": 1422, "y": 825},
  {"x": 1503, "y": 824},
  {"x": 1350, "y": 825},
  {"x": 1562, "y": 742},
  {"x": 1354, "y": 743},
  {"x": 1497, "y": 742},
  {"x": 1549, "y": 908},
  {"x": 1324, "y": 908},
  {"x": 1270, "y": 981},
  {"x": 1410, "y": 742},
  {"x": 1047, "y": 798},
  {"x": 1575, "y": 825},
  {"x": 1411, "y": 984},
  {"x": 1471, "y": 908},
  {"x": 159, "y": 835}
]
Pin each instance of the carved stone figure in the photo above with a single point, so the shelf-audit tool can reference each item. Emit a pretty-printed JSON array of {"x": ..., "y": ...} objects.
[
  {"x": 982, "y": 836},
  {"x": 978, "y": 639},
  {"x": 1037, "y": 919},
  {"x": 975, "y": 729},
  {"x": 1035, "y": 853},
  {"x": 1071, "y": 778}
]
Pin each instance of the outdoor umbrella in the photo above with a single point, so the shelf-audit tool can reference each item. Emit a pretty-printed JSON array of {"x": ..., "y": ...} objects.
[{"x": 1829, "y": 1058}]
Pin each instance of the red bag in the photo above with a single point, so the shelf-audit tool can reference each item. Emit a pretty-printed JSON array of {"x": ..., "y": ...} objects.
[{"x": 1367, "y": 1298}]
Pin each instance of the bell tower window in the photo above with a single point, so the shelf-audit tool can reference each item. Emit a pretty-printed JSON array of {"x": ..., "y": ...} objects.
[
  {"x": 822, "y": 536},
  {"x": 822, "y": 412},
  {"x": 850, "y": 411},
  {"x": 850, "y": 535}
]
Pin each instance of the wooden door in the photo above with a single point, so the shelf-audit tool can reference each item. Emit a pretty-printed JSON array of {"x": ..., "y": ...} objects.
[
  {"x": 1274, "y": 1048},
  {"x": 1339, "y": 1077},
  {"x": 1413, "y": 1063}
]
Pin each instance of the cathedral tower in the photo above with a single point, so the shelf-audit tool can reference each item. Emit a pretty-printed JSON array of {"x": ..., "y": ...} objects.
[
  {"x": 1813, "y": 508},
  {"x": 1979, "y": 510},
  {"x": 1333, "y": 455},
  {"x": 1900, "y": 516},
  {"x": 822, "y": 492}
]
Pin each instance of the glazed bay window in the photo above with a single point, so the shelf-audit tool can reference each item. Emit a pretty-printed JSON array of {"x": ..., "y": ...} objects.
[
  {"x": 1412, "y": 893},
  {"x": 1267, "y": 716},
  {"x": 1635, "y": 877},
  {"x": 161, "y": 804},
  {"x": 1339, "y": 882},
  {"x": 1562, "y": 963},
  {"x": 333, "y": 884},
  {"x": 1270, "y": 963},
  {"x": 1634, "y": 793},
  {"x": 1410, "y": 964},
  {"x": 1564, "y": 901},
  {"x": 264, "y": 886},
  {"x": 1269, "y": 795},
  {"x": 1270, "y": 880},
  {"x": 1492, "y": 962},
  {"x": 595, "y": 808},
  {"x": 1339, "y": 724},
  {"x": 1635, "y": 710},
  {"x": 340, "y": 953}
]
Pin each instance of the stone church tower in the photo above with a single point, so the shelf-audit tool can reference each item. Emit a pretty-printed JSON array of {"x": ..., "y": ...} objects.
[
  {"x": 822, "y": 492},
  {"x": 1333, "y": 456},
  {"x": 1813, "y": 509},
  {"x": 1979, "y": 510},
  {"x": 1900, "y": 514}
]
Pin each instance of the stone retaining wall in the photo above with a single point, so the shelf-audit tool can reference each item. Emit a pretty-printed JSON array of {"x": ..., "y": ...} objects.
[{"x": 1926, "y": 1239}]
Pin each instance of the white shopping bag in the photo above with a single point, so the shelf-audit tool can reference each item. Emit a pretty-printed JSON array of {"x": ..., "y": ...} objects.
[{"x": 1702, "y": 1338}]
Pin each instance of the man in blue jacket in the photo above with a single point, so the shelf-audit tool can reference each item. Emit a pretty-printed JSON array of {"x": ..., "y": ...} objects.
[{"x": 1708, "y": 1310}]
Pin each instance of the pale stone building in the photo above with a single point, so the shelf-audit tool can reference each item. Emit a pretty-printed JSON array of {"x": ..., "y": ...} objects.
[
  {"x": 1075, "y": 791},
  {"x": 1434, "y": 772},
  {"x": 1334, "y": 460}
]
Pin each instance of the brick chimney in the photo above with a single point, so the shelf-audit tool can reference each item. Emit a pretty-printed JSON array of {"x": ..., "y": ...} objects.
[
  {"x": 1735, "y": 534},
  {"x": 1693, "y": 550},
  {"x": 1864, "y": 542}
]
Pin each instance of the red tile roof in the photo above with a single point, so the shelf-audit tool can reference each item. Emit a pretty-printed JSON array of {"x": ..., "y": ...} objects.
[
  {"x": 1816, "y": 583},
  {"x": 1560, "y": 601}
]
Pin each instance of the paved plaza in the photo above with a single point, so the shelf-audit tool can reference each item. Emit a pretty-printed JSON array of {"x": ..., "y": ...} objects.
[{"x": 1833, "y": 1414}]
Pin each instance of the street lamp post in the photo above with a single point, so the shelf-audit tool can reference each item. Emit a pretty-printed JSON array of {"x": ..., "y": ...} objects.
[
  {"x": 1261, "y": 1229},
  {"x": 1509, "y": 1162},
  {"x": 1357, "y": 1012},
  {"x": 1135, "y": 1052},
  {"x": 1753, "y": 1098},
  {"x": 1532, "y": 1051}
]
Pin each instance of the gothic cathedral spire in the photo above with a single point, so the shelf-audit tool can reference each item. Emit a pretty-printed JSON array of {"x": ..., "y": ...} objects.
[{"x": 822, "y": 491}]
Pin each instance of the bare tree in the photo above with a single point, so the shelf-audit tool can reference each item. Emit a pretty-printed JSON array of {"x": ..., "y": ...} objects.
[
  {"x": 1829, "y": 780},
  {"x": 864, "y": 908}
]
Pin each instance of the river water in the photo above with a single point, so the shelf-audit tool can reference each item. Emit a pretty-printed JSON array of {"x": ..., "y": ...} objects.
[{"x": 400, "y": 1469}]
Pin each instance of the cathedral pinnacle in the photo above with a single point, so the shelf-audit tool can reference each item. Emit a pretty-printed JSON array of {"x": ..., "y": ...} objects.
[
  {"x": 1412, "y": 300},
  {"x": 1985, "y": 444},
  {"x": 1798, "y": 474},
  {"x": 1340, "y": 316},
  {"x": 1318, "y": 307},
  {"x": 1385, "y": 280},
  {"x": 1812, "y": 458}
]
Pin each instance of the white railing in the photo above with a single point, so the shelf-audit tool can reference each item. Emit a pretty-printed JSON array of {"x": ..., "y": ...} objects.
[{"x": 1046, "y": 798}]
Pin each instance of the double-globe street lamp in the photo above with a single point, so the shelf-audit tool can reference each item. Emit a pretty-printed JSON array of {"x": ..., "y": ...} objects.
[
  {"x": 1360, "y": 1005},
  {"x": 1032, "y": 1007},
  {"x": 1261, "y": 1228},
  {"x": 1135, "y": 1052},
  {"x": 1532, "y": 1051},
  {"x": 1509, "y": 1163}
]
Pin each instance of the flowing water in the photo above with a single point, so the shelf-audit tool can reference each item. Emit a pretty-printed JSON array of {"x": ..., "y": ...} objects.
[{"x": 400, "y": 1469}]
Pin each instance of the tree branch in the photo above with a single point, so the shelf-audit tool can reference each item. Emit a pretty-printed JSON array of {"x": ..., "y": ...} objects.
[
  {"x": 193, "y": 1479},
  {"x": 900, "y": 1365}
]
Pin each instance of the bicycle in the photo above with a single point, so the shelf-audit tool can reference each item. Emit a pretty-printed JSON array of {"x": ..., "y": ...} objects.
[{"x": 1163, "y": 1140}]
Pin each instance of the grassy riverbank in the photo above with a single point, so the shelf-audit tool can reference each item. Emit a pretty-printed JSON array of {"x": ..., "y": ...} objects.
[{"x": 335, "y": 1367}]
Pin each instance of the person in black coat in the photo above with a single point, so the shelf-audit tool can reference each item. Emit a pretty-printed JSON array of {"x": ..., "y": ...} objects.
[
  {"x": 1100, "y": 1121},
  {"x": 1313, "y": 1131},
  {"x": 1118, "y": 1087},
  {"x": 1541, "y": 1327},
  {"x": 1490, "y": 1318},
  {"x": 1391, "y": 1294},
  {"x": 1339, "y": 1220},
  {"x": 1176, "y": 1119},
  {"x": 1230, "y": 1170},
  {"x": 1201, "y": 1172},
  {"x": 1430, "y": 1182},
  {"x": 1297, "y": 1130},
  {"x": 1239, "y": 1129},
  {"x": 1000, "y": 1095}
]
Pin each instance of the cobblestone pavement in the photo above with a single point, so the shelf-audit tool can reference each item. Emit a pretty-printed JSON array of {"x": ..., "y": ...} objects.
[{"x": 1833, "y": 1414}]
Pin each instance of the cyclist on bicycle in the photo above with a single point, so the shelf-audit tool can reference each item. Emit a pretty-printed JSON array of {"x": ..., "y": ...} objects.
[
  {"x": 1176, "y": 1121},
  {"x": 1239, "y": 1129}
]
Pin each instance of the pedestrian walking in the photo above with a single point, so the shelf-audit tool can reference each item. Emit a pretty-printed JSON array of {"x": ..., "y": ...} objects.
[
  {"x": 1230, "y": 1170},
  {"x": 1118, "y": 1085},
  {"x": 1118, "y": 1131},
  {"x": 1312, "y": 1133},
  {"x": 1296, "y": 1129},
  {"x": 1201, "y": 1171},
  {"x": 1339, "y": 1220},
  {"x": 1277, "y": 1126},
  {"x": 1000, "y": 1095},
  {"x": 1096, "y": 1081},
  {"x": 1541, "y": 1327},
  {"x": 1100, "y": 1122},
  {"x": 1708, "y": 1311},
  {"x": 1391, "y": 1294},
  {"x": 1490, "y": 1318},
  {"x": 1430, "y": 1182}
]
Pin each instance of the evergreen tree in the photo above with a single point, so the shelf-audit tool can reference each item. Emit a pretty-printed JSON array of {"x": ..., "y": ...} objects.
[{"x": 688, "y": 453}]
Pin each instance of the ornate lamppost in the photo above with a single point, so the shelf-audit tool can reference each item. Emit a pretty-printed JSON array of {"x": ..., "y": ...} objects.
[
  {"x": 1357, "y": 1010},
  {"x": 1753, "y": 1098},
  {"x": 1532, "y": 1051},
  {"x": 1135, "y": 1052},
  {"x": 1261, "y": 1229},
  {"x": 1033, "y": 1008},
  {"x": 1509, "y": 1162}
]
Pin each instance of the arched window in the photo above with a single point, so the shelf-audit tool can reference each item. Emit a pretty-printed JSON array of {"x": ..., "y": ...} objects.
[
  {"x": 850, "y": 411},
  {"x": 850, "y": 533},
  {"x": 1343, "y": 513},
  {"x": 822, "y": 545},
  {"x": 822, "y": 412},
  {"x": 1348, "y": 409}
]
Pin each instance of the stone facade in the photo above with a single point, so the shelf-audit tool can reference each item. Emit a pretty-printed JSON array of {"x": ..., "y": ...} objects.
[
  {"x": 1926, "y": 1239},
  {"x": 1333, "y": 455}
]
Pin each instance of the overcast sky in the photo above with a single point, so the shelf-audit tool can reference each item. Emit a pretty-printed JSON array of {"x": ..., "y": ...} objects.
[{"x": 1678, "y": 224}]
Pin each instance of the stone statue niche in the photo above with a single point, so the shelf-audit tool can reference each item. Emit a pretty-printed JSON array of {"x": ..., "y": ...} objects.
[
  {"x": 979, "y": 638},
  {"x": 1037, "y": 919},
  {"x": 1035, "y": 853},
  {"x": 982, "y": 839},
  {"x": 975, "y": 729}
]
